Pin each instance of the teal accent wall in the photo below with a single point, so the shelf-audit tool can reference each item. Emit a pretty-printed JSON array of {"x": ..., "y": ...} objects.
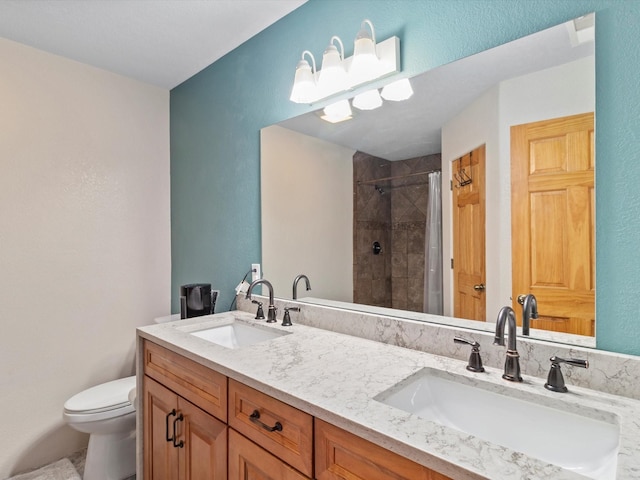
[{"x": 217, "y": 114}]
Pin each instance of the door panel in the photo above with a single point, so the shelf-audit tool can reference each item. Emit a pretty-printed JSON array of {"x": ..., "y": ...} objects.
[
  {"x": 161, "y": 461},
  {"x": 204, "y": 455},
  {"x": 469, "y": 236},
  {"x": 248, "y": 461},
  {"x": 553, "y": 234},
  {"x": 340, "y": 455}
]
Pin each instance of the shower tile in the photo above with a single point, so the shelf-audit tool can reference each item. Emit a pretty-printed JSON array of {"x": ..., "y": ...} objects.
[
  {"x": 415, "y": 266},
  {"x": 416, "y": 238}
]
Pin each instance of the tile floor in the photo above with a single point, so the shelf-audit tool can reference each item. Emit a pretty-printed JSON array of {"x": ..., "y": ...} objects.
[{"x": 78, "y": 458}]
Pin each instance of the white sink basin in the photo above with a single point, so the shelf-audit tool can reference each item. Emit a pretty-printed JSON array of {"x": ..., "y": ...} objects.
[
  {"x": 579, "y": 443},
  {"x": 237, "y": 334}
]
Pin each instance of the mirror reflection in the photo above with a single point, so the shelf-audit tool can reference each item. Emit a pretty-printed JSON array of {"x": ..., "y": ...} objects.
[{"x": 358, "y": 208}]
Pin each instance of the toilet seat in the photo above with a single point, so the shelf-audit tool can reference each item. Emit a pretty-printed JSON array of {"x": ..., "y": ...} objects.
[{"x": 104, "y": 401}]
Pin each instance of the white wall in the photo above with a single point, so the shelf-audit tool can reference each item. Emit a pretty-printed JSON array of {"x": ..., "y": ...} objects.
[
  {"x": 556, "y": 92},
  {"x": 306, "y": 182},
  {"x": 84, "y": 239},
  {"x": 478, "y": 124}
]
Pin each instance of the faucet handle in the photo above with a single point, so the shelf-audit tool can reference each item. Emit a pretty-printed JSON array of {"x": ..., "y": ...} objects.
[
  {"x": 555, "y": 379},
  {"x": 475, "y": 361},
  {"x": 286, "y": 320},
  {"x": 260, "y": 312}
]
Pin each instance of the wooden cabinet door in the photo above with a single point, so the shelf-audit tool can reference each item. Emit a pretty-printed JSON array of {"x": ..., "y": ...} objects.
[
  {"x": 160, "y": 410},
  {"x": 181, "y": 442},
  {"x": 204, "y": 452},
  {"x": 341, "y": 455},
  {"x": 248, "y": 461}
]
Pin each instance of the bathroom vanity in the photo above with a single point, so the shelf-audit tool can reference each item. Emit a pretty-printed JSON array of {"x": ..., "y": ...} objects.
[{"x": 228, "y": 396}]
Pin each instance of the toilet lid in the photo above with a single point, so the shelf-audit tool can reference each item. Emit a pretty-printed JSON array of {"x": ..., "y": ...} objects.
[{"x": 107, "y": 396}]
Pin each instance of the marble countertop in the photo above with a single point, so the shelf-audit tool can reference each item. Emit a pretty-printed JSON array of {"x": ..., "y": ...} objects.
[{"x": 335, "y": 377}]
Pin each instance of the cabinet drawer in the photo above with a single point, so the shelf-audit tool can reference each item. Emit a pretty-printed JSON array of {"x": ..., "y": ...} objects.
[
  {"x": 249, "y": 461},
  {"x": 198, "y": 384},
  {"x": 340, "y": 455},
  {"x": 291, "y": 443}
]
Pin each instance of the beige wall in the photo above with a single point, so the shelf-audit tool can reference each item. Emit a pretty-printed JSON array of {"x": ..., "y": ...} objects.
[
  {"x": 84, "y": 239},
  {"x": 306, "y": 182}
]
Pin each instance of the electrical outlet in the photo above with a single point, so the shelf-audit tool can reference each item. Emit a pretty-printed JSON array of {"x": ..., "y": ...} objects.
[{"x": 256, "y": 273}]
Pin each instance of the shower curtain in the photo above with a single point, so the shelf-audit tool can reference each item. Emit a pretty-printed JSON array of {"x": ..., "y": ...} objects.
[{"x": 433, "y": 248}]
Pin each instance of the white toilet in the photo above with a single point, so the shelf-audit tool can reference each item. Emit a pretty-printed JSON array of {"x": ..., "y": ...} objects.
[{"x": 107, "y": 413}]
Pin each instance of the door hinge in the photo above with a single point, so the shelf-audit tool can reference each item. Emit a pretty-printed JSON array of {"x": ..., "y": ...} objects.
[
  {"x": 452, "y": 264},
  {"x": 451, "y": 185}
]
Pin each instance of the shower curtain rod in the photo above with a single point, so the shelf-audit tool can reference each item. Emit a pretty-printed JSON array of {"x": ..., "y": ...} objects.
[{"x": 372, "y": 182}]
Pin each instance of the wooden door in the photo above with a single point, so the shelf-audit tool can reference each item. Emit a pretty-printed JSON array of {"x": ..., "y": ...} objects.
[
  {"x": 160, "y": 456},
  {"x": 248, "y": 461},
  {"x": 469, "y": 276},
  {"x": 553, "y": 230},
  {"x": 204, "y": 453}
]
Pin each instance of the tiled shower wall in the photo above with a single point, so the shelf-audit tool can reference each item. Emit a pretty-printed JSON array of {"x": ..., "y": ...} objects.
[{"x": 394, "y": 214}]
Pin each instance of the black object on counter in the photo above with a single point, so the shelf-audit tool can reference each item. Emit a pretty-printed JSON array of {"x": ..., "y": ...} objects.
[{"x": 197, "y": 299}]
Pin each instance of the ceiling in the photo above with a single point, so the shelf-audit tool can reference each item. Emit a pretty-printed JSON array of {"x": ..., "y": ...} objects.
[
  {"x": 412, "y": 128},
  {"x": 161, "y": 42}
]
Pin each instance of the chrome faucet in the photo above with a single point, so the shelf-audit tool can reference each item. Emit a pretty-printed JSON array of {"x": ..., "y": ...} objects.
[
  {"x": 512, "y": 362},
  {"x": 271, "y": 314},
  {"x": 529, "y": 311},
  {"x": 295, "y": 285}
]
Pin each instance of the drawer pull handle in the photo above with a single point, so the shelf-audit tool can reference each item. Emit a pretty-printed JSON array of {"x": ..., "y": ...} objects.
[
  {"x": 166, "y": 423},
  {"x": 255, "y": 418},
  {"x": 179, "y": 444}
]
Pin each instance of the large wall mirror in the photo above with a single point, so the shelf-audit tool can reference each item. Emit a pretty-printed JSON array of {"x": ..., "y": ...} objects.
[{"x": 351, "y": 205}]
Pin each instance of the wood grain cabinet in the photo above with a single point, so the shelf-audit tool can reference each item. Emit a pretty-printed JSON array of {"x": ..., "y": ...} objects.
[
  {"x": 248, "y": 461},
  {"x": 342, "y": 455},
  {"x": 280, "y": 429},
  {"x": 183, "y": 439},
  {"x": 187, "y": 407},
  {"x": 182, "y": 442}
]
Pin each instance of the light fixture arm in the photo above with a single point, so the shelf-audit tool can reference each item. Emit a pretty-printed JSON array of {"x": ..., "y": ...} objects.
[
  {"x": 335, "y": 37},
  {"x": 373, "y": 32},
  {"x": 313, "y": 60}
]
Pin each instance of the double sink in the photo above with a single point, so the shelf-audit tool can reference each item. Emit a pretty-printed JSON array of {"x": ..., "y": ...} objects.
[{"x": 539, "y": 426}]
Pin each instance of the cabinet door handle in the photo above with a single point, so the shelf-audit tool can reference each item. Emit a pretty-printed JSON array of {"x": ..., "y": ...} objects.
[
  {"x": 166, "y": 423},
  {"x": 179, "y": 444},
  {"x": 255, "y": 418}
]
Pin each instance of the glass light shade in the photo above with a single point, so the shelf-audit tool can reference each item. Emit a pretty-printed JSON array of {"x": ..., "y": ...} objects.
[
  {"x": 365, "y": 64},
  {"x": 337, "y": 112},
  {"x": 368, "y": 100},
  {"x": 333, "y": 77},
  {"x": 304, "y": 88},
  {"x": 398, "y": 90}
]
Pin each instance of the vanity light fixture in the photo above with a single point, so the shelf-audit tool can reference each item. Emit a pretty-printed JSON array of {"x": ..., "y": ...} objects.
[
  {"x": 337, "y": 112},
  {"x": 304, "y": 86},
  {"x": 371, "y": 62},
  {"x": 333, "y": 76},
  {"x": 369, "y": 100},
  {"x": 398, "y": 90}
]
